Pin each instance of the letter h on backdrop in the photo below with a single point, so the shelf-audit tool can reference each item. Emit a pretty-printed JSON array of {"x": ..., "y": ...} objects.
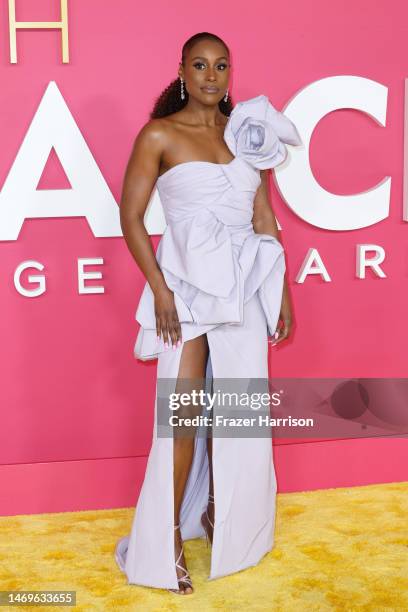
[{"x": 38, "y": 25}]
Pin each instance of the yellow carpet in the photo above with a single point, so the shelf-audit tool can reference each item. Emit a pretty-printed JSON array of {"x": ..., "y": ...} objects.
[{"x": 336, "y": 549}]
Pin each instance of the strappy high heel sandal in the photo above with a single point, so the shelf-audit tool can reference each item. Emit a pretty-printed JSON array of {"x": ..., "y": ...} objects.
[
  {"x": 210, "y": 501},
  {"x": 184, "y": 579}
]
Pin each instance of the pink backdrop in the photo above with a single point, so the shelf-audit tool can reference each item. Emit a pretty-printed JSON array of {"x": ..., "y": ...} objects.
[{"x": 76, "y": 405}]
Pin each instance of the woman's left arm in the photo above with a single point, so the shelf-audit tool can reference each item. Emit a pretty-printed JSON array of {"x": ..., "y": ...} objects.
[{"x": 264, "y": 222}]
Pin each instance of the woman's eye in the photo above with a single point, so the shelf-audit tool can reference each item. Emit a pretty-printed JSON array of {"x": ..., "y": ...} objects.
[{"x": 197, "y": 64}]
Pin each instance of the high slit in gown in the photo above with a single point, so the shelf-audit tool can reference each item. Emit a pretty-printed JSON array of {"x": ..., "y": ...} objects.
[{"x": 227, "y": 282}]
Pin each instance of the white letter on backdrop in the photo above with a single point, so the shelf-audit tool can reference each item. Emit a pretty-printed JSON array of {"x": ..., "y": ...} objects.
[
  {"x": 54, "y": 126},
  {"x": 405, "y": 162},
  {"x": 295, "y": 180},
  {"x": 312, "y": 264},
  {"x": 31, "y": 278},
  {"x": 83, "y": 276},
  {"x": 362, "y": 262}
]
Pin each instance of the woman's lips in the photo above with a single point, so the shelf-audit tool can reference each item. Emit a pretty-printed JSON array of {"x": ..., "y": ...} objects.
[{"x": 210, "y": 89}]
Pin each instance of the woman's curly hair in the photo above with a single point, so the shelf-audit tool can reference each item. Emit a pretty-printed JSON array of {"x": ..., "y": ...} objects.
[{"x": 169, "y": 101}]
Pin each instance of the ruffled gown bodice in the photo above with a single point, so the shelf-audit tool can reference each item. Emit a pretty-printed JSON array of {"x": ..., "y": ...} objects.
[{"x": 209, "y": 254}]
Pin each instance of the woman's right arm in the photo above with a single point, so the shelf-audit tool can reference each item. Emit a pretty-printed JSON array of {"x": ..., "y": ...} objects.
[{"x": 139, "y": 181}]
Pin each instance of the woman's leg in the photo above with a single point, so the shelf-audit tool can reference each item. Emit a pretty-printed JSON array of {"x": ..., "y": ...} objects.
[
  {"x": 191, "y": 377},
  {"x": 209, "y": 519}
]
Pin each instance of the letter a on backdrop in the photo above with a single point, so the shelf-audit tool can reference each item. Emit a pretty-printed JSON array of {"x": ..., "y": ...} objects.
[{"x": 53, "y": 126}]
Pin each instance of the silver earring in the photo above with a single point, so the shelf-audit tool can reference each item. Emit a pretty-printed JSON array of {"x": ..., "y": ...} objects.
[
  {"x": 226, "y": 96},
  {"x": 182, "y": 96}
]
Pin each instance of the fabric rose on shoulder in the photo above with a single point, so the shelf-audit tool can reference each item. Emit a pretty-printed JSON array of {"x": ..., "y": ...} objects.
[{"x": 257, "y": 132}]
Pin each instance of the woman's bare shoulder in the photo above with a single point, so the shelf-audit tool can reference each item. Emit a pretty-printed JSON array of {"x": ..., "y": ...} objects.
[
  {"x": 156, "y": 135},
  {"x": 152, "y": 139},
  {"x": 152, "y": 131},
  {"x": 160, "y": 127}
]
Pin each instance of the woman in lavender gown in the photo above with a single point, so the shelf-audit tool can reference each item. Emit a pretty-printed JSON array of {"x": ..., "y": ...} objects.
[{"x": 215, "y": 289}]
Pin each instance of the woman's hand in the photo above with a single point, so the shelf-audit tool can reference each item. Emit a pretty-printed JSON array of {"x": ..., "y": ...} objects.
[
  {"x": 285, "y": 317},
  {"x": 167, "y": 322}
]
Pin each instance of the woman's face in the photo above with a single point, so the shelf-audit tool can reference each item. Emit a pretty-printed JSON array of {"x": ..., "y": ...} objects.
[{"x": 206, "y": 72}]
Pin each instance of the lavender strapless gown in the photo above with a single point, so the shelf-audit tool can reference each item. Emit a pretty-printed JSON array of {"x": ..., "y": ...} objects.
[{"x": 227, "y": 282}]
